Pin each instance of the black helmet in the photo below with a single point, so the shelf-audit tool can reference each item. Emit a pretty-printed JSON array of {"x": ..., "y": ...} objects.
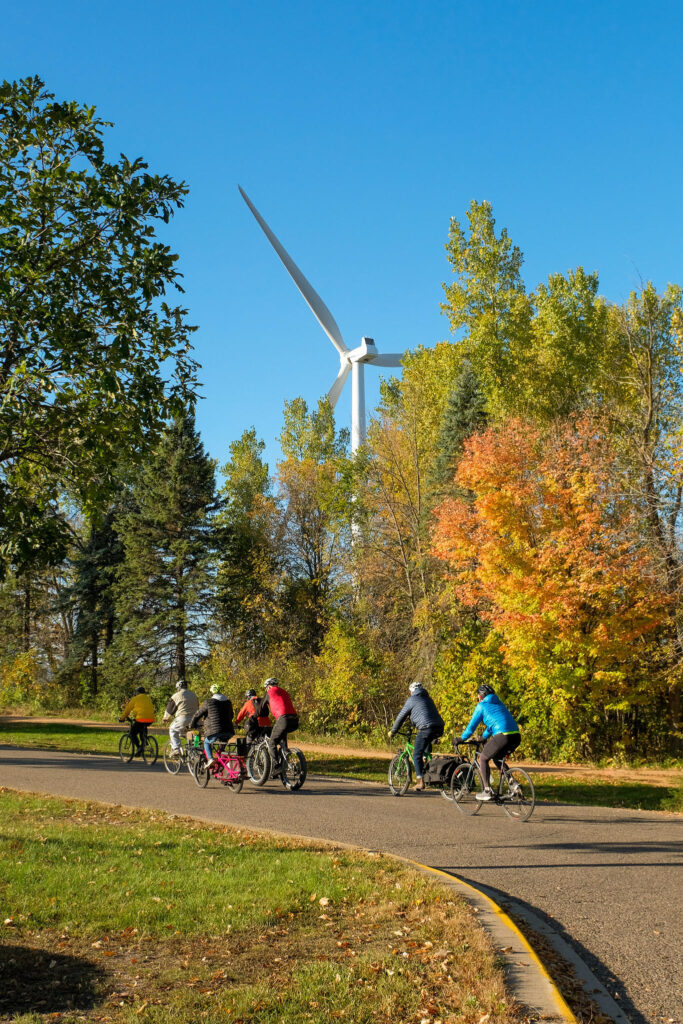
[
  {"x": 250, "y": 693},
  {"x": 484, "y": 690},
  {"x": 140, "y": 689},
  {"x": 181, "y": 684}
]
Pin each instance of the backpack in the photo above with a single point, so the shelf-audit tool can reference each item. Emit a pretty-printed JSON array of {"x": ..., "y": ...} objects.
[{"x": 440, "y": 770}]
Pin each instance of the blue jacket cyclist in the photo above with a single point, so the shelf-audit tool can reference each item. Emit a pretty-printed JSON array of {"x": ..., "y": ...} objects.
[
  {"x": 500, "y": 730},
  {"x": 421, "y": 710}
]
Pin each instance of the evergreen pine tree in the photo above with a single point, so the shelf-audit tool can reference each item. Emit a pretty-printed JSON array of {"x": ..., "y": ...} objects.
[
  {"x": 165, "y": 586},
  {"x": 465, "y": 413},
  {"x": 90, "y": 598}
]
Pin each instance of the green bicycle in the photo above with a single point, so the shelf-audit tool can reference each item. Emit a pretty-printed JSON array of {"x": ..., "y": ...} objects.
[{"x": 401, "y": 769}]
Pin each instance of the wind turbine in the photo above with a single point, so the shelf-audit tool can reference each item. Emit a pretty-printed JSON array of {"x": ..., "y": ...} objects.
[{"x": 351, "y": 360}]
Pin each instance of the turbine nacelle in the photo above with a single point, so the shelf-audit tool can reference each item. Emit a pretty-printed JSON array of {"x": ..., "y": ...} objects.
[{"x": 366, "y": 352}]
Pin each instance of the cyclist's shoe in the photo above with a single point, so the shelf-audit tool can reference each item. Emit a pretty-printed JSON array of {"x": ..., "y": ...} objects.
[
  {"x": 211, "y": 763},
  {"x": 277, "y": 767},
  {"x": 419, "y": 785},
  {"x": 485, "y": 795}
]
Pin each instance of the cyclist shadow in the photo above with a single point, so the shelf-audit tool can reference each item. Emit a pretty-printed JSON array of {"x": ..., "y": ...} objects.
[{"x": 40, "y": 981}]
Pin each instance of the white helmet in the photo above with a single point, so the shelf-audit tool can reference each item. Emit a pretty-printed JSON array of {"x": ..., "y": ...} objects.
[
  {"x": 214, "y": 688},
  {"x": 415, "y": 686}
]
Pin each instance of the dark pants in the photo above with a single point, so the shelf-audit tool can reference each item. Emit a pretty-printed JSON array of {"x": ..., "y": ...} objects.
[
  {"x": 253, "y": 731},
  {"x": 138, "y": 731},
  {"x": 278, "y": 736},
  {"x": 496, "y": 748},
  {"x": 423, "y": 742}
]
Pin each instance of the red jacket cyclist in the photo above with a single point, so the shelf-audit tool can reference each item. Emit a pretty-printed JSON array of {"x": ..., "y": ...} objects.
[{"x": 279, "y": 703}]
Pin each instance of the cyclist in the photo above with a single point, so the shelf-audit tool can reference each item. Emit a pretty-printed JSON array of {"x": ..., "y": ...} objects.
[
  {"x": 500, "y": 730},
  {"x": 141, "y": 712},
  {"x": 217, "y": 710},
  {"x": 256, "y": 724},
  {"x": 278, "y": 702},
  {"x": 181, "y": 707},
  {"x": 421, "y": 710}
]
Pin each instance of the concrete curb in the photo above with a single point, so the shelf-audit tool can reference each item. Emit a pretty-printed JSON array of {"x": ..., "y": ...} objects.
[
  {"x": 531, "y": 984},
  {"x": 593, "y": 986}
]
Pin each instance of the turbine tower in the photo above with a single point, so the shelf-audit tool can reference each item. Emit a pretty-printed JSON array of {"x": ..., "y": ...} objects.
[{"x": 351, "y": 360}]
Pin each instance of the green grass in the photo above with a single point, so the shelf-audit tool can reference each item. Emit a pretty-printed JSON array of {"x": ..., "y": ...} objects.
[
  {"x": 634, "y": 795},
  {"x": 115, "y": 915}
]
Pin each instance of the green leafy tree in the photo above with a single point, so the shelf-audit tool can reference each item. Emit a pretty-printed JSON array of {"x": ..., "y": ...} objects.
[
  {"x": 165, "y": 584},
  {"x": 315, "y": 494},
  {"x": 248, "y": 567},
  {"x": 487, "y": 302},
  {"x": 93, "y": 358}
]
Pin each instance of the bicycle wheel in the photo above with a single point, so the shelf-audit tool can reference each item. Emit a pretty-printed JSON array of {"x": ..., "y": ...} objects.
[
  {"x": 150, "y": 750},
  {"x": 258, "y": 765},
  {"x": 194, "y": 755},
  {"x": 201, "y": 774},
  {"x": 466, "y": 782},
  {"x": 518, "y": 797},
  {"x": 232, "y": 774},
  {"x": 294, "y": 770},
  {"x": 400, "y": 774},
  {"x": 173, "y": 759},
  {"x": 445, "y": 788},
  {"x": 126, "y": 749}
]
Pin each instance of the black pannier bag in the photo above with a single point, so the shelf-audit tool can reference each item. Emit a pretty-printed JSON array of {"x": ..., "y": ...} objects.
[
  {"x": 440, "y": 770},
  {"x": 242, "y": 746}
]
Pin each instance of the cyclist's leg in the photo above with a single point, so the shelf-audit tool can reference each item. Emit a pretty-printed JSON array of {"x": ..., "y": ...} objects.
[
  {"x": 175, "y": 731},
  {"x": 291, "y": 725},
  {"x": 422, "y": 738},
  {"x": 275, "y": 738},
  {"x": 208, "y": 740},
  {"x": 136, "y": 734},
  {"x": 492, "y": 750}
]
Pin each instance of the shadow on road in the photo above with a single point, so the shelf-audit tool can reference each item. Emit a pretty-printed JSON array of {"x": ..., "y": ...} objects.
[{"x": 614, "y": 986}]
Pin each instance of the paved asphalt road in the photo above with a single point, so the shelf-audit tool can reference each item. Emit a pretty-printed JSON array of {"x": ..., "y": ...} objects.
[{"x": 609, "y": 881}]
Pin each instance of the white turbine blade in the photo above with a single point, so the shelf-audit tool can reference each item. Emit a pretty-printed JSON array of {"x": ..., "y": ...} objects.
[
  {"x": 390, "y": 359},
  {"x": 316, "y": 304},
  {"x": 336, "y": 389}
]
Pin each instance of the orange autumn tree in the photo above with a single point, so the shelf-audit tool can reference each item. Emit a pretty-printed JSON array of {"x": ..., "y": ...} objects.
[{"x": 549, "y": 551}]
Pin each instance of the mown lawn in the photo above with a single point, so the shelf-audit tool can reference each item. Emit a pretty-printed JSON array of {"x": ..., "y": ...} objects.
[
  {"x": 115, "y": 915},
  {"x": 555, "y": 789}
]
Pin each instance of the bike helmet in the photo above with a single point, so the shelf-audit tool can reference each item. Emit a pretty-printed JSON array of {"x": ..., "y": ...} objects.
[
  {"x": 181, "y": 684},
  {"x": 140, "y": 689},
  {"x": 250, "y": 693},
  {"x": 269, "y": 682},
  {"x": 214, "y": 688},
  {"x": 484, "y": 690},
  {"x": 415, "y": 686}
]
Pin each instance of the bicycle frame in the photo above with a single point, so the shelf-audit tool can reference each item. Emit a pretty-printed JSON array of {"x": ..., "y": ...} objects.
[{"x": 514, "y": 792}]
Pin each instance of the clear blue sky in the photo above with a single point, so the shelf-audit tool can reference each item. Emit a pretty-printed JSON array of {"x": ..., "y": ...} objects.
[{"x": 359, "y": 129}]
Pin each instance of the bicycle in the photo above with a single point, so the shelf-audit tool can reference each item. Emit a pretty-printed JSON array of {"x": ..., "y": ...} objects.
[
  {"x": 228, "y": 766},
  {"x": 400, "y": 773},
  {"x": 291, "y": 770},
  {"x": 515, "y": 791},
  {"x": 188, "y": 755},
  {"x": 148, "y": 749}
]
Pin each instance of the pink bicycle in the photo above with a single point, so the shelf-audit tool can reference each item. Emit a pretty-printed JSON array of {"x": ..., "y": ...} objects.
[{"x": 228, "y": 768}]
